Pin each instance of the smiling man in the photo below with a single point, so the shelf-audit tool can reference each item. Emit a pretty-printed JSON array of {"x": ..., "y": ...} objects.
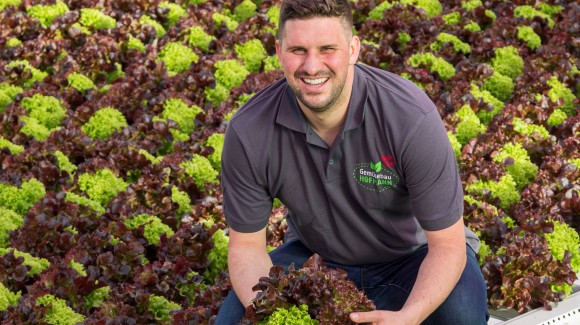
[{"x": 361, "y": 159}]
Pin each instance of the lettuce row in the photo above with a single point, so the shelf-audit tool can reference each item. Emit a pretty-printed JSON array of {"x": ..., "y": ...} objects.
[
  {"x": 199, "y": 38},
  {"x": 104, "y": 123},
  {"x": 9, "y": 220},
  {"x": 472, "y": 27},
  {"x": 154, "y": 160},
  {"x": 558, "y": 91},
  {"x": 84, "y": 201},
  {"x": 458, "y": 45},
  {"x": 97, "y": 297},
  {"x": 522, "y": 170},
  {"x": 435, "y": 64},
  {"x": 159, "y": 29},
  {"x": 529, "y": 12},
  {"x": 378, "y": 12},
  {"x": 47, "y": 110},
  {"x": 80, "y": 82},
  {"x": 46, "y": 14},
  {"x": 252, "y": 53},
  {"x": 135, "y": 44},
  {"x": 529, "y": 129},
  {"x": 177, "y": 57},
  {"x": 500, "y": 86},
  {"x": 469, "y": 126},
  {"x": 177, "y": 110},
  {"x": 557, "y": 117},
  {"x": 216, "y": 141},
  {"x": 218, "y": 256},
  {"x": 505, "y": 190},
  {"x": 6, "y": 3},
  {"x": 225, "y": 18},
  {"x": 452, "y": 18},
  {"x": 432, "y": 7},
  {"x": 58, "y": 312},
  {"x": 527, "y": 34},
  {"x": 455, "y": 144},
  {"x": 471, "y": 4},
  {"x": 8, "y": 298},
  {"x": 200, "y": 168},
  {"x": 182, "y": 199},
  {"x": 175, "y": 12},
  {"x": 290, "y": 316},
  {"x": 245, "y": 10},
  {"x": 20, "y": 200},
  {"x": 564, "y": 239},
  {"x": 497, "y": 105},
  {"x": 14, "y": 149},
  {"x": 153, "y": 227},
  {"x": 8, "y": 93},
  {"x": 36, "y": 264},
  {"x": 161, "y": 308},
  {"x": 64, "y": 163},
  {"x": 36, "y": 75},
  {"x": 78, "y": 267},
  {"x": 228, "y": 74},
  {"x": 101, "y": 186},
  {"x": 508, "y": 62},
  {"x": 96, "y": 19}
]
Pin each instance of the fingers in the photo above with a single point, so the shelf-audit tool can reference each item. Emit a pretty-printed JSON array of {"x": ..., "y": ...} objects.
[{"x": 364, "y": 317}]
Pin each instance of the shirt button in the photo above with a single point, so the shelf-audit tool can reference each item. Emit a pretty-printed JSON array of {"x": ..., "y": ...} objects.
[{"x": 331, "y": 162}]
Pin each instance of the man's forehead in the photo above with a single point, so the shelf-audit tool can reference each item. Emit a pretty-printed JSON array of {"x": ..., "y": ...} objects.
[{"x": 315, "y": 24}]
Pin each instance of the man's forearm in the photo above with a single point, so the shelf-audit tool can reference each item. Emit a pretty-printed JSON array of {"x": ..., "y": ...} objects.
[
  {"x": 438, "y": 275},
  {"x": 246, "y": 265}
]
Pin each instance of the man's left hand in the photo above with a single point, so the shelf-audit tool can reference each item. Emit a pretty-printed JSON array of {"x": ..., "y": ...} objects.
[{"x": 381, "y": 317}]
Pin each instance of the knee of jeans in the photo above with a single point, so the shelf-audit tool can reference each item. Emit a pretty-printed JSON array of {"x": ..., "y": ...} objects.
[{"x": 463, "y": 306}]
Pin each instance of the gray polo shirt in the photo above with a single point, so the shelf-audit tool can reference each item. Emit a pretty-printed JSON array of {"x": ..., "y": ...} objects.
[{"x": 390, "y": 173}]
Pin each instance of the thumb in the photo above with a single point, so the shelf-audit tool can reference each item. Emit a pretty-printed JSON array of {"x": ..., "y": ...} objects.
[{"x": 364, "y": 317}]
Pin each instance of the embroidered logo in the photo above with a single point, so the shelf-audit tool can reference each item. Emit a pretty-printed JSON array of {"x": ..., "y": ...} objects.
[{"x": 376, "y": 176}]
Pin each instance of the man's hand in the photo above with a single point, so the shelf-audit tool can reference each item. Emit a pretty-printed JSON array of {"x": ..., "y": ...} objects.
[{"x": 382, "y": 317}]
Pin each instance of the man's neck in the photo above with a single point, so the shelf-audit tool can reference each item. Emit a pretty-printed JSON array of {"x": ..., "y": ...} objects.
[{"x": 327, "y": 126}]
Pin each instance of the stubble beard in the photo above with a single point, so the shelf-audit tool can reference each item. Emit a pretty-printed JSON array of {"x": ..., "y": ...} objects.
[{"x": 326, "y": 104}]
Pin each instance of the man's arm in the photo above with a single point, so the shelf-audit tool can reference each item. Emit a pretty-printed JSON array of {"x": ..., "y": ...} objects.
[
  {"x": 438, "y": 275},
  {"x": 248, "y": 260}
]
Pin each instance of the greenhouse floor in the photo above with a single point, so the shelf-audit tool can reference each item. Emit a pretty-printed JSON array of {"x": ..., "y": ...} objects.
[{"x": 566, "y": 312}]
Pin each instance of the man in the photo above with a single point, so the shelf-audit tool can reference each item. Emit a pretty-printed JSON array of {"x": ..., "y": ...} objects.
[{"x": 361, "y": 159}]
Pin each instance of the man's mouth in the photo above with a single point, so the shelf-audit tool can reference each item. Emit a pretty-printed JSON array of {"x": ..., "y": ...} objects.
[{"x": 314, "y": 82}]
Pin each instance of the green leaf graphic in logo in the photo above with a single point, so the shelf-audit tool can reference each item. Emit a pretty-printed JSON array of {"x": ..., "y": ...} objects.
[{"x": 376, "y": 167}]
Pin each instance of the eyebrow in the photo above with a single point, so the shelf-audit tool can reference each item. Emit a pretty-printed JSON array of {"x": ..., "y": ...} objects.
[{"x": 297, "y": 47}]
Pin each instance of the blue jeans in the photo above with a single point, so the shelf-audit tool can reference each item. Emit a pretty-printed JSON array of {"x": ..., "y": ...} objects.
[{"x": 388, "y": 285}]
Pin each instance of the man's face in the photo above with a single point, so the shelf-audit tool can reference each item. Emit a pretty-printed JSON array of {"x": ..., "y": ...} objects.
[{"x": 317, "y": 56}]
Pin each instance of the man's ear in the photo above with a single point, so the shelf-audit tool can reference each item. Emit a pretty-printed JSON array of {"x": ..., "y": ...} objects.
[
  {"x": 354, "y": 49},
  {"x": 278, "y": 50}
]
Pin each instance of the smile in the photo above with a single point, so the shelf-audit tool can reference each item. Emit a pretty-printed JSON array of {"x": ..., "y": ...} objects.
[{"x": 317, "y": 81}]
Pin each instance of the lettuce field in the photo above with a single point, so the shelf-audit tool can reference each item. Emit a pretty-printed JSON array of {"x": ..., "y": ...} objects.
[{"x": 112, "y": 118}]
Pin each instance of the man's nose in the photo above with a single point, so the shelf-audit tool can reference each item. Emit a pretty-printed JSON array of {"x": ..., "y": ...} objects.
[{"x": 313, "y": 64}]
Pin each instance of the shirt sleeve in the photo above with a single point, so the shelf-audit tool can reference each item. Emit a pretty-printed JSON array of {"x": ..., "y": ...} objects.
[
  {"x": 247, "y": 203},
  {"x": 432, "y": 175}
]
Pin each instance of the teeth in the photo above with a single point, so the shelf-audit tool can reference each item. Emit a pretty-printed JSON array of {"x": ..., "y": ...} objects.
[{"x": 315, "y": 81}]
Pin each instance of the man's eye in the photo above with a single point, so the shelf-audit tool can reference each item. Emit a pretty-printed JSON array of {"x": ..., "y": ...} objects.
[
  {"x": 298, "y": 51},
  {"x": 327, "y": 49}
]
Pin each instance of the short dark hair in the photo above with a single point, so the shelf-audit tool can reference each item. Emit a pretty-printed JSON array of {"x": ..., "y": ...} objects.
[{"x": 304, "y": 9}]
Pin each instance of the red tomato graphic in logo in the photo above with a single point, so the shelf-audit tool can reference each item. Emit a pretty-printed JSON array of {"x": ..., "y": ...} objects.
[{"x": 388, "y": 160}]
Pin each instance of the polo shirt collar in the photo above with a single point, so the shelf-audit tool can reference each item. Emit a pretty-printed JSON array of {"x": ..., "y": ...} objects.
[{"x": 290, "y": 115}]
